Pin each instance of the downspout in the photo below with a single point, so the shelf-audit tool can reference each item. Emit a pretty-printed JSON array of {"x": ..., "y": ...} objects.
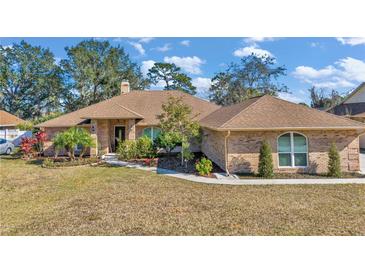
[{"x": 226, "y": 151}]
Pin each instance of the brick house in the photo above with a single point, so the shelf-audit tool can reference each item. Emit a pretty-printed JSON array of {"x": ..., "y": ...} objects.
[
  {"x": 8, "y": 120},
  {"x": 299, "y": 136},
  {"x": 124, "y": 117}
]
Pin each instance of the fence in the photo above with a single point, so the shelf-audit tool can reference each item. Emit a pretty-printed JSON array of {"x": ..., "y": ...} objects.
[{"x": 14, "y": 135}]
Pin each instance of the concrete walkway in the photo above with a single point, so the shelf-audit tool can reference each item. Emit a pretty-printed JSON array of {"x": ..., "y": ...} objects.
[{"x": 224, "y": 180}]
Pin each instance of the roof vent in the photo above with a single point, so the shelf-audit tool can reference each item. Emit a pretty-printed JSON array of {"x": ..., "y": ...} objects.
[{"x": 124, "y": 87}]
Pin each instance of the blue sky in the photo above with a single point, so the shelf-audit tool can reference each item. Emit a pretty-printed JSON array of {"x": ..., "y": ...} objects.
[{"x": 325, "y": 62}]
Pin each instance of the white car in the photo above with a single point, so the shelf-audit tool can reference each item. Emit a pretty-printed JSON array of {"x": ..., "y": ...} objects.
[{"x": 6, "y": 147}]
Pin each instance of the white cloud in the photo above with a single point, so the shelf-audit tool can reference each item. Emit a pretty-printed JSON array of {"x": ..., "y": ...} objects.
[
  {"x": 7, "y": 46},
  {"x": 316, "y": 45},
  {"x": 345, "y": 73},
  {"x": 189, "y": 64},
  {"x": 305, "y": 72},
  {"x": 354, "y": 41},
  {"x": 146, "y": 65},
  {"x": 143, "y": 40},
  {"x": 146, "y": 40},
  {"x": 164, "y": 48},
  {"x": 246, "y": 51},
  {"x": 202, "y": 83},
  {"x": 254, "y": 40},
  {"x": 100, "y": 39},
  {"x": 185, "y": 43},
  {"x": 354, "y": 69},
  {"x": 138, "y": 47},
  {"x": 291, "y": 97}
]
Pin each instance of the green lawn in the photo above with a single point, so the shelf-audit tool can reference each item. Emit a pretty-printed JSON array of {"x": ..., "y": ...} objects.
[{"x": 121, "y": 201}]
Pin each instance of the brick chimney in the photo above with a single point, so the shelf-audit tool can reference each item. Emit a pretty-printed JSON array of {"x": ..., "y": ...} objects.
[{"x": 124, "y": 87}]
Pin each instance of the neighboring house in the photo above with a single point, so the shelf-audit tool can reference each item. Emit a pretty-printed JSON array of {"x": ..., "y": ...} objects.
[
  {"x": 8, "y": 127},
  {"x": 300, "y": 137},
  {"x": 9, "y": 121},
  {"x": 353, "y": 107}
]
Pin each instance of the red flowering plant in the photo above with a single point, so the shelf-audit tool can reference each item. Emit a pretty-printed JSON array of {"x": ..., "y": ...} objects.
[
  {"x": 41, "y": 137},
  {"x": 27, "y": 146},
  {"x": 31, "y": 145}
]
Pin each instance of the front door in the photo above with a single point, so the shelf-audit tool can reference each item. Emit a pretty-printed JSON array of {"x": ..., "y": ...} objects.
[{"x": 119, "y": 135}]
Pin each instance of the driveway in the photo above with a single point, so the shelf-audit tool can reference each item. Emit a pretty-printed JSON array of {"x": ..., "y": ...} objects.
[{"x": 362, "y": 162}]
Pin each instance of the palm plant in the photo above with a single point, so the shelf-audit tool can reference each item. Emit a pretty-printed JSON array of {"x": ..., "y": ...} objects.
[
  {"x": 70, "y": 138},
  {"x": 58, "y": 143},
  {"x": 85, "y": 140}
]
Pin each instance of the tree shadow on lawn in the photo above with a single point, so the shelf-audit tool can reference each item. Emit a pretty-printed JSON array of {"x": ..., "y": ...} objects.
[{"x": 10, "y": 157}]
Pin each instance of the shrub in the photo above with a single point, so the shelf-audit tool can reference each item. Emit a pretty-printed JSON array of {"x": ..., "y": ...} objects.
[
  {"x": 58, "y": 143},
  {"x": 204, "y": 166},
  {"x": 26, "y": 126},
  {"x": 85, "y": 140},
  {"x": 47, "y": 163},
  {"x": 144, "y": 146},
  {"x": 168, "y": 141},
  {"x": 41, "y": 137},
  {"x": 127, "y": 150},
  {"x": 266, "y": 167},
  {"x": 27, "y": 146},
  {"x": 136, "y": 149},
  {"x": 53, "y": 163},
  {"x": 47, "y": 117},
  {"x": 186, "y": 155},
  {"x": 334, "y": 162}
]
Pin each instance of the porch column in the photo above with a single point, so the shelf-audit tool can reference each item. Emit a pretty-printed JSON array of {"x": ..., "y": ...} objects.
[
  {"x": 93, "y": 131},
  {"x": 102, "y": 132},
  {"x": 131, "y": 129}
]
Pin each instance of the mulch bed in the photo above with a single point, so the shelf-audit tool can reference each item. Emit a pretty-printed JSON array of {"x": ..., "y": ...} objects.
[
  {"x": 174, "y": 163},
  {"x": 66, "y": 162}
]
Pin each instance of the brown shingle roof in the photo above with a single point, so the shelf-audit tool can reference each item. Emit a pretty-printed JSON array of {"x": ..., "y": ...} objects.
[
  {"x": 7, "y": 119},
  {"x": 268, "y": 112},
  {"x": 144, "y": 105}
]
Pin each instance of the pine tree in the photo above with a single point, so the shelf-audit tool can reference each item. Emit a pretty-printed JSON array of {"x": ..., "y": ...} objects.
[
  {"x": 334, "y": 162},
  {"x": 266, "y": 167}
]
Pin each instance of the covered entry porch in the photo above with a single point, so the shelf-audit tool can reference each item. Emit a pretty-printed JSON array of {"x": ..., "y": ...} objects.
[{"x": 107, "y": 133}]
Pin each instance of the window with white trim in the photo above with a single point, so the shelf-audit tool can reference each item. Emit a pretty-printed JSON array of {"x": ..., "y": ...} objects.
[
  {"x": 151, "y": 132},
  {"x": 292, "y": 150}
]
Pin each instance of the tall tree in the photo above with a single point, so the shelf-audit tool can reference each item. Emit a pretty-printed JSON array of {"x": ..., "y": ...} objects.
[
  {"x": 321, "y": 99},
  {"x": 95, "y": 71},
  {"x": 171, "y": 76},
  {"x": 252, "y": 76},
  {"x": 31, "y": 82},
  {"x": 178, "y": 126}
]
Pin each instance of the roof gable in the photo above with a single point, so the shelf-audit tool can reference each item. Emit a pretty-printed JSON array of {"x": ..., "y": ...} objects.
[
  {"x": 357, "y": 96},
  {"x": 269, "y": 112},
  {"x": 143, "y": 105},
  {"x": 8, "y": 119}
]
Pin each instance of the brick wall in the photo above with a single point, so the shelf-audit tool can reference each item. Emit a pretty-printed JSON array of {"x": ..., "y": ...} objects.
[
  {"x": 48, "y": 145},
  {"x": 213, "y": 146},
  {"x": 243, "y": 150}
]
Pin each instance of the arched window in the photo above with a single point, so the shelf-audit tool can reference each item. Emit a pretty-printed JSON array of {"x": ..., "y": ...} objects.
[
  {"x": 292, "y": 150},
  {"x": 151, "y": 132}
]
